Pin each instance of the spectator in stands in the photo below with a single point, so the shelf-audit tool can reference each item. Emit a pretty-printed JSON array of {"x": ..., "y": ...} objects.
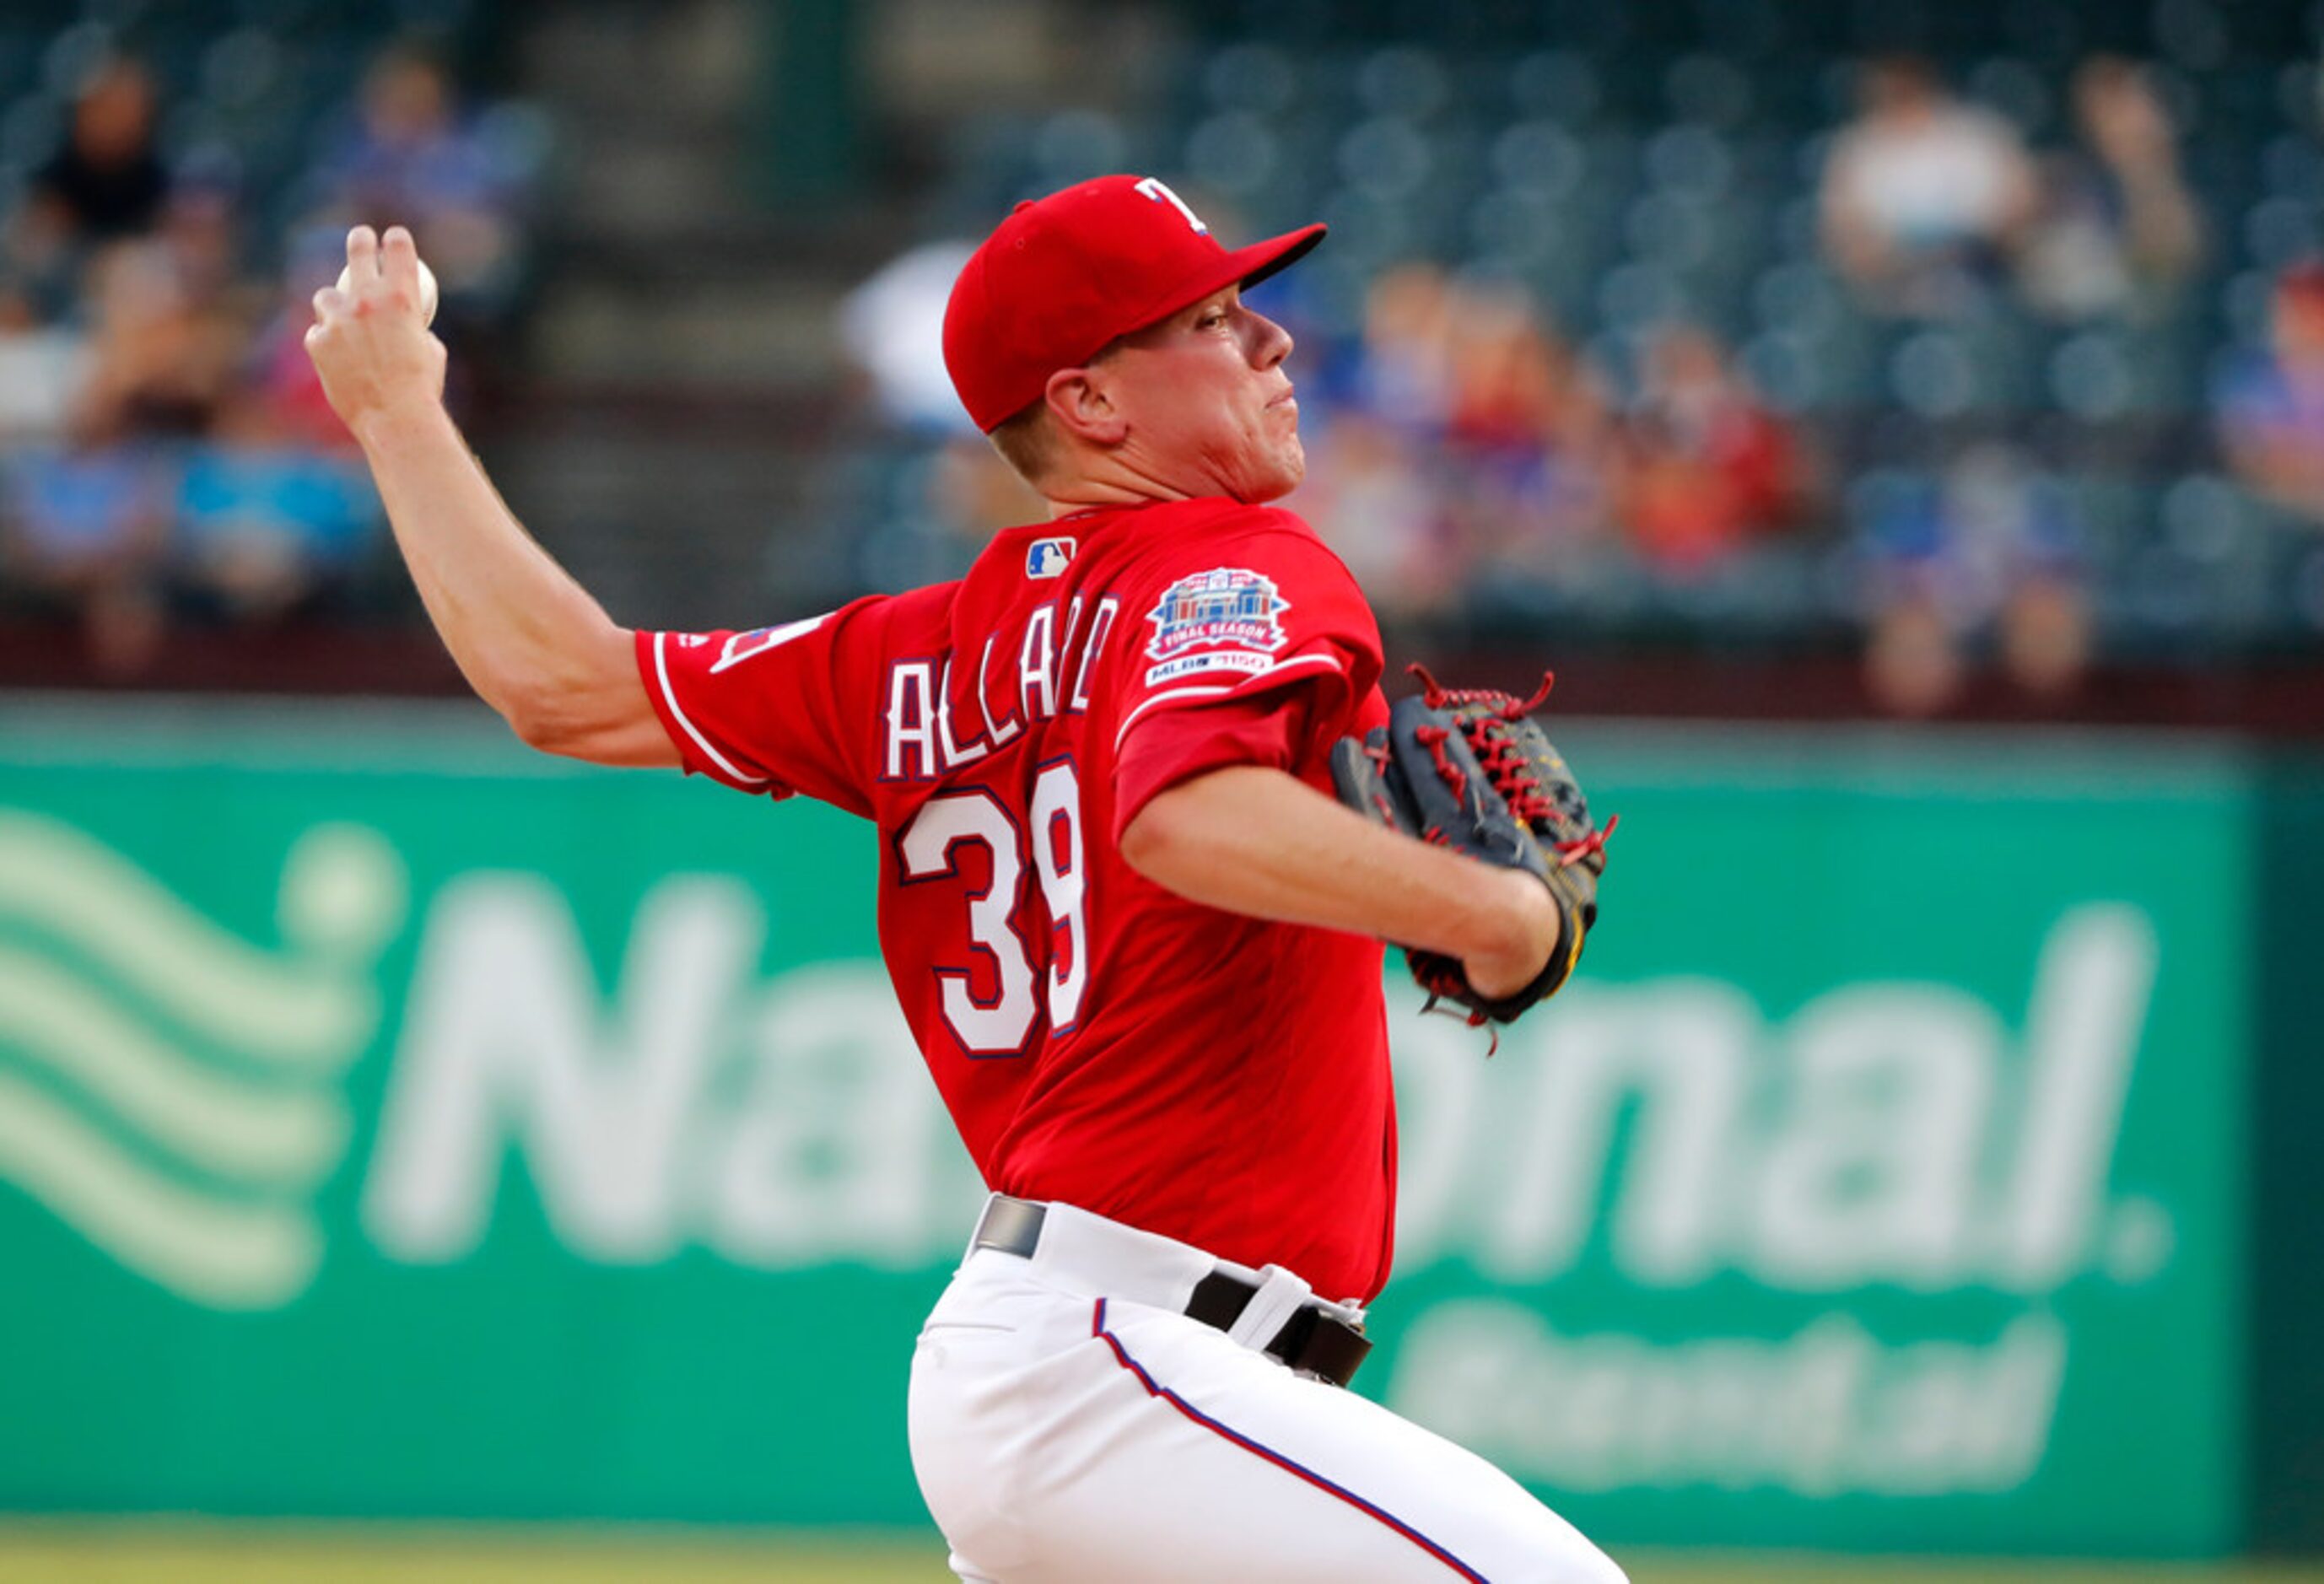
[
  {"x": 264, "y": 523},
  {"x": 1508, "y": 379},
  {"x": 891, "y": 328},
  {"x": 2118, "y": 232},
  {"x": 1925, "y": 197},
  {"x": 1707, "y": 468},
  {"x": 105, "y": 184},
  {"x": 891, "y": 332},
  {"x": 43, "y": 367},
  {"x": 2271, "y": 407},
  {"x": 200, "y": 234},
  {"x": 84, "y": 527},
  {"x": 159, "y": 361},
  {"x": 1375, "y": 505},
  {"x": 1528, "y": 439},
  {"x": 1403, "y": 375},
  {"x": 1989, "y": 548},
  {"x": 412, "y": 158}
]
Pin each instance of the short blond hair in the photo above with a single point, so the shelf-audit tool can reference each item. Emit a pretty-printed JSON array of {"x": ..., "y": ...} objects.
[{"x": 1029, "y": 439}]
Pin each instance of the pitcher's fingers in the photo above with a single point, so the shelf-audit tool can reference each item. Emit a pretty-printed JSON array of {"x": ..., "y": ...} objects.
[
  {"x": 399, "y": 261},
  {"x": 329, "y": 302},
  {"x": 362, "y": 254}
]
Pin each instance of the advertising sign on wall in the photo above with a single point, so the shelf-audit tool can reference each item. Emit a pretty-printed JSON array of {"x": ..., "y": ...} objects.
[{"x": 396, "y": 1126}]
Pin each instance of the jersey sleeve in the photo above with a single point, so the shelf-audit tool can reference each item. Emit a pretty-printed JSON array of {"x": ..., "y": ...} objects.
[
  {"x": 770, "y": 710},
  {"x": 1255, "y": 647},
  {"x": 1177, "y": 745}
]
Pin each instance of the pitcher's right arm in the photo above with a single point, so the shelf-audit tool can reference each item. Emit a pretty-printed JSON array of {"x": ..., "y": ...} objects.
[{"x": 529, "y": 639}]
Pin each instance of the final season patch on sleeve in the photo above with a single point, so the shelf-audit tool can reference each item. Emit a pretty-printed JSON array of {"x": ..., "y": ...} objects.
[{"x": 1227, "y": 619}]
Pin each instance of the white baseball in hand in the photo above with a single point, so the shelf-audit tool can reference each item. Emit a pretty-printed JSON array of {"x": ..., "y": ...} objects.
[{"x": 426, "y": 288}]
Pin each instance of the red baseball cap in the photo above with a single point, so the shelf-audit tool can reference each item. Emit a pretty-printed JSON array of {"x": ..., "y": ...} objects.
[{"x": 1063, "y": 278}]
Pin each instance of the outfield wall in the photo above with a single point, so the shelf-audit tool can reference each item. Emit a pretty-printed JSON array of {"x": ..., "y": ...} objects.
[{"x": 392, "y": 1122}]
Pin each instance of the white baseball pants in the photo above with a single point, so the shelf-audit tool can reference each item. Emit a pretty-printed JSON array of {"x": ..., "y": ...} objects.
[{"x": 1071, "y": 1426}]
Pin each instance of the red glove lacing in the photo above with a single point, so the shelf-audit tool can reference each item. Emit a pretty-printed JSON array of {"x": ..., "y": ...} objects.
[{"x": 1498, "y": 757}]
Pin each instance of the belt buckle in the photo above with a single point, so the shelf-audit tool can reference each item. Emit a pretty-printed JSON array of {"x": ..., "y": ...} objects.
[
  {"x": 1011, "y": 1225},
  {"x": 1322, "y": 1346}
]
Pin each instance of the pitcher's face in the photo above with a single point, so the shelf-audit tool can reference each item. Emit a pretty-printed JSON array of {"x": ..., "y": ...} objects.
[{"x": 1210, "y": 410}]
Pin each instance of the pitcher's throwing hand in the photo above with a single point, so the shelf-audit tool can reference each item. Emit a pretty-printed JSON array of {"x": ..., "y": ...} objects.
[{"x": 370, "y": 341}]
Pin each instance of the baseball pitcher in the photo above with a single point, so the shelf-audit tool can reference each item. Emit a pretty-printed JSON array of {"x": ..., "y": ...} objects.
[{"x": 1146, "y": 821}]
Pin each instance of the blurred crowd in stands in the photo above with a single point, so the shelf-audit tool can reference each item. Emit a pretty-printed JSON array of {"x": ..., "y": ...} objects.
[
  {"x": 2003, "y": 361},
  {"x": 166, "y": 453},
  {"x": 1670, "y": 462}
]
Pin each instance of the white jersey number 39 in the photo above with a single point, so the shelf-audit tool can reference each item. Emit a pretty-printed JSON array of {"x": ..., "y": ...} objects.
[{"x": 997, "y": 1026}]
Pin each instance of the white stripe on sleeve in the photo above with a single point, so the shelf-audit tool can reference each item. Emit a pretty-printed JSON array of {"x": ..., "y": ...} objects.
[
  {"x": 1330, "y": 662},
  {"x": 670, "y": 696}
]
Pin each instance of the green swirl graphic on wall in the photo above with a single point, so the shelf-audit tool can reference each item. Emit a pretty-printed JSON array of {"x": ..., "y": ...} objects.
[{"x": 168, "y": 1090}]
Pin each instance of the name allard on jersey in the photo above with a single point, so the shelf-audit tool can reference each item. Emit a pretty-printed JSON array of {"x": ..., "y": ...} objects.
[{"x": 924, "y": 741}]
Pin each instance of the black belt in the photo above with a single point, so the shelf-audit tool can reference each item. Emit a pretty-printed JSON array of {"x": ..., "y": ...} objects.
[{"x": 1313, "y": 1341}]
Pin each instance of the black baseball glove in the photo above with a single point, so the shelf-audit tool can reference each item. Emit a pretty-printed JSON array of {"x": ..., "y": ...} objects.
[{"x": 1470, "y": 770}]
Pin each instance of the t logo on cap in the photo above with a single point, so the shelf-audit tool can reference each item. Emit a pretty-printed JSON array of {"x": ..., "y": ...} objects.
[{"x": 1154, "y": 187}]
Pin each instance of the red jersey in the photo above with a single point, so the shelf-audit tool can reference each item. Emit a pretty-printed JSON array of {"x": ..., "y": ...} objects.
[{"x": 1098, "y": 1040}]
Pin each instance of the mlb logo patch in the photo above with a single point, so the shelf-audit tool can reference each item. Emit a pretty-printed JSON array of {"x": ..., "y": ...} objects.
[
  {"x": 1048, "y": 557},
  {"x": 1227, "y": 607}
]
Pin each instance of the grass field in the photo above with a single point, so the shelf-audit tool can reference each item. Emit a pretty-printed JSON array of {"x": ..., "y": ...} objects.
[{"x": 152, "y": 1552}]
